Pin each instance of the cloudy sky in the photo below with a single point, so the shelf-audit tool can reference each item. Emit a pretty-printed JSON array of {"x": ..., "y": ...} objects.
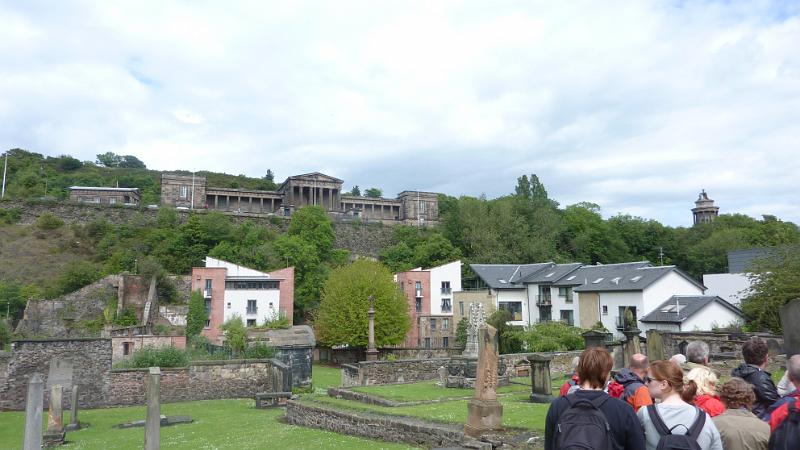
[{"x": 635, "y": 106}]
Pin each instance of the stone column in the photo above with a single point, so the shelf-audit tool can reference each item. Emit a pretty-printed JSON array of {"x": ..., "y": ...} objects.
[
  {"x": 484, "y": 412},
  {"x": 74, "y": 424},
  {"x": 541, "y": 388},
  {"x": 152, "y": 430},
  {"x": 55, "y": 417},
  {"x": 631, "y": 345},
  {"x": 372, "y": 352},
  {"x": 33, "y": 414}
]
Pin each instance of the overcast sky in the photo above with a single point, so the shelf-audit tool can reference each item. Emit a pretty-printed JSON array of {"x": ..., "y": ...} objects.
[{"x": 634, "y": 106}]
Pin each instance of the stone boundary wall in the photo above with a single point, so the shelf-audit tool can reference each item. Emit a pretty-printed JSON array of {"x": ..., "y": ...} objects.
[
  {"x": 663, "y": 344},
  {"x": 368, "y": 373},
  {"x": 203, "y": 380},
  {"x": 387, "y": 428},
  {"x": 354, "y": 355}
]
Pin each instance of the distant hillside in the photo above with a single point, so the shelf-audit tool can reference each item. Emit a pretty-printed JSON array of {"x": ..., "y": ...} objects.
[{"x": 35, "y": 176}]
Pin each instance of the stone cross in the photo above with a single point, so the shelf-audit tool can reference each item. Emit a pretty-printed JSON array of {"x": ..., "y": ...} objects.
[
  {"x": 152, "y": 430},
  {"x": 484, "y": 412},
  {"x": 372, "y": 352},
  {"x": 33, "y": 414},
  {"x": 477, "y": 318},
  {"x": 55, "y": 417}
]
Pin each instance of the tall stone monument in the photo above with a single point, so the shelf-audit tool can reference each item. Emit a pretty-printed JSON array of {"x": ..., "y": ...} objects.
[
  {"x": 372, "y": 352},
  {"x": 33, "y": 414},
  {"x": 484, "y": 412},
  {"x": 477, "y": 318},
  {"x": 74, "y": 423},
  {"x": 55, "y": 418},
  {"x": 152, "y": 430}
]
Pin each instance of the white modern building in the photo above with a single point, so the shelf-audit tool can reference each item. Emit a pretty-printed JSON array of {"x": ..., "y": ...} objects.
[{"x": 693, "y": 313}]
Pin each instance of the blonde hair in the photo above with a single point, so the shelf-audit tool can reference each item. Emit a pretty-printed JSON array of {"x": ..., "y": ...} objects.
[{"x": 700, "y": 381}]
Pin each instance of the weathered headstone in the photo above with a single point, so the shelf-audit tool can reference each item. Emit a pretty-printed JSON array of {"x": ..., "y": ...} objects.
[
  {"x": 594, "y": 338},
  {"x": 60, "y": 373},
  {"x": 790, "y": 317},
  {"x": 541, "y": 387},
  {"x": 442, "y": 373},
  {"x": 33, "y": 414},
  {"x": 55, "y": 418},
  {"x": 631, "y": 346},
  {"x": 152, "y": 431},
  {"x": 655, "y": 346},
  {"x": 74, "y": 424},
  {"x": 477, "y": 318},
  {"x": 484, "y": 412}
]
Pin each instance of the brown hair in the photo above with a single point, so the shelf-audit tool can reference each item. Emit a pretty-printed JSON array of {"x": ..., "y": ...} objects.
[
  {"x": 670, "y": 372},
  {"x": 755, "y": 351},
  {"x": 737, "y": 393},
  {"x": 594, "y": 366}
]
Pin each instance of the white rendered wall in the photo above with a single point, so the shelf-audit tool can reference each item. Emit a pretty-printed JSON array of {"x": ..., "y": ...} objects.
[
  {"x": 263, "y": 297},
  {"x": 560, "y": 304},
  {"x": 234, "y": 270},
  {"x": 616, "y": 299},
  {"x": 711, "y": 315},
  {"x": 448, "y": 272},
  {"x": 517, "y": 295},
  {"x": 664, "y": 288},
  {"x": 732, "y": 287}
]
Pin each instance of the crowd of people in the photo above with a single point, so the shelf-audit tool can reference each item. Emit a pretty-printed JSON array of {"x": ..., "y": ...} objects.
[{"x": 678, "y": 403}]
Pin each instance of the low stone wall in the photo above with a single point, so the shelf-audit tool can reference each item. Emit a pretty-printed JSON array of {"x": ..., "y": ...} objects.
[
  {"x": 387, "y": 428},
  {"x": 354, "y": 355},
  {"x": 200, "y": 381},
  {"x": 663, "y": 344},
  {"x": 140, "y": 341},
  {"x": 368, "y": 373}
]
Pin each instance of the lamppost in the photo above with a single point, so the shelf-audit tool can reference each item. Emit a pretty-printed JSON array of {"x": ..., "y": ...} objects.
[
  {"x": 5, "y": 166},
  {"x": 372, "y": 352}
]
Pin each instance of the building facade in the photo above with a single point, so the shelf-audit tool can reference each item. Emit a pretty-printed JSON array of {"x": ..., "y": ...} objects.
[
  {"x": 232, "y": 290},
  {"x": 104, "y": 195},
  {"x": 413, "y": 207},
  {"x": 429, "y": 293}
]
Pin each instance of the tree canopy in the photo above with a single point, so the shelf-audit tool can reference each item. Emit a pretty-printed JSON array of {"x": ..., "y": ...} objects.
[{"x": 775, "y": 281}]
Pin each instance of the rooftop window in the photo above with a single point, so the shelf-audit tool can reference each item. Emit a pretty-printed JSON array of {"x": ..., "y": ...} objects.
[
  {"x": 636, "y": 278},
  {"x": 598, "y": 280}
]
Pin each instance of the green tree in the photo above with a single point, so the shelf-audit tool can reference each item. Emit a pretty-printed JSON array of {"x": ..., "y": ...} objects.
[
  {"x": 774, "y": 282},
  {"x": 355, "y": 192},
  {"x": 342, "y": 317},
  {"x": 435, "y": 251},
  {"x": 461, "y": 332},
  {"x": 109, "y": 159},
  {"x": 235, "y": 335},
  {"x": 5, "y": 334},
  {"x": 131, "y": 162},
  {"x": 66, "y": 163},
  {"x": 313, "y": 225},
  {"x": 75, "y": 276},
  {"x": 12, "y": 302},
  {"x": 508, "y": 340},
  {"x": 373, "y": 193},
  {"x": 589, "y": 238},
  {"x": 197, "y": 315}
]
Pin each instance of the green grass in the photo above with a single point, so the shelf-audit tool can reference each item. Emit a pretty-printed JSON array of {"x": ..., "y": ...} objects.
[
  {"x": 324, "y": 377},
  {"x": 218, "y": 424},
  {"x": 427, "y": 390}
]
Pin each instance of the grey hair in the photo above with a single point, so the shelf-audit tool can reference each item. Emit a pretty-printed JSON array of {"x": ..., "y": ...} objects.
[
  {"x": 793, "y": 367},
  {"x": 678, "y": 359},
  {"x": 697, "y": 352}
]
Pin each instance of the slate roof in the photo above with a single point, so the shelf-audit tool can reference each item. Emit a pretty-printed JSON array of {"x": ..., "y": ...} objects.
[
  {"x": 591, "y": 273},
  {"x": 628, "y": 279},
  {"x": 689, "y": 305},
  {"x": 510, "y": 274},
  {"x": 740, "y": 261},
  {"x": 551, "y": 274}
]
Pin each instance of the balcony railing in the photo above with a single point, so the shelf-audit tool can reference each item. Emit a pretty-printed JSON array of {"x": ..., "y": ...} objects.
[
  {"x": 446, "y": 291},
  {"x": 542, "y": 300},
  {"x": 252, "y": 310},
  {"x": 206, "y": 293}
]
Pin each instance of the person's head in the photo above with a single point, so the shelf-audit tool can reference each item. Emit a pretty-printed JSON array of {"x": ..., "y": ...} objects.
[
  {"x": 699, "y": 381},
  {"x": 665, "y": 378},
  {"x": 678, "y": 359},
  {"x": 639, "y": 364},
  {"x": 737, "y": 393},
  {"x": 755, "y": 352},
  {"x": 594, "y": 367},
  {"x": 575, "y": 362},
  {"x": 697, "y": 352},
  {"x": 793, "y": 370}
]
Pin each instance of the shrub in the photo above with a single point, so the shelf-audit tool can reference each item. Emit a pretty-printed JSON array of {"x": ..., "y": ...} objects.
[
  {"x": 551, "y": 337},
  {"x": 48, "y": 221},
  {"x": 259, "y": 350},
  {"x": 5, "y": 335},
  {"x": 197, "y": 315},
  {"x": 75, "y": 276},
  {"x": 235, "y": 335},
  {"x": 149, "y": 356},
  {"x": 276, "y": 322},
  {"x": 126, "y": 317},
  {"x": 507, "y": 335},
  {"x": 10, "y": 215}
]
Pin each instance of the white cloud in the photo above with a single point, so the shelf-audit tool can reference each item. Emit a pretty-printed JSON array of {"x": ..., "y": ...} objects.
[{"x": 635, "y": 106}]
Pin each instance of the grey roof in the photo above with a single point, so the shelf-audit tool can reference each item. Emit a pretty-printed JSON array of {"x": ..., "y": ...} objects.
[
  {"x": 669, "y": 312},
  {"x": 591, "y": 273},
  {"x": 551, "y": 274},
  {"x": 623, "y": 278},
  {"x": 507, "y": 276},
  {"x": 740, "y": 261}
]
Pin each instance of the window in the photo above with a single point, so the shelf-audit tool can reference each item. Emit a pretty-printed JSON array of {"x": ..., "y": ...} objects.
[
  {"x": 433, "y": 324},
  {"x": 567, "y": 317},
  {"x": 229, "y": 305},
  {"x": 184, "y": 191},
  {"x": 515, "y": 308},
  {"x": 402, "y": 287},
  {"x": 445, "y": 342},
  {"x": 445, "y": 324},
  {"x": 251, "y": 285},
  {"x": 208, "y": 323},
  {"x": 605, "y": 310},
  {"x": 549, "y": 274},
  {"x": 418, "y": 304},
  {"x": 636, "y": 278},
  {"x": 446, "y": 287},
  {"x": 112, "y": 200},
  {"x": 207, "y": 291},
  {"x": 251, "y": 322},
  {"x": 565, "y": 292},
  {"x": 446, "y": 306},
  {"x": 126, "y": 348},
  {"x": 571, "y": 277},
  {"x": 461, "y": 308},
  {"x": 252, "y": 307},
  {"x": 597, "y": 280},
  {"x": 208, "y": 306},
  {"x": 418, "y": 288},
  {"x": 427, "y": 342}
]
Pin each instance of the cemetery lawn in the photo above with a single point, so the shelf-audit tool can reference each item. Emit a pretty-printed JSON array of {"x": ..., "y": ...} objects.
[{"x": 427, "y": 390}]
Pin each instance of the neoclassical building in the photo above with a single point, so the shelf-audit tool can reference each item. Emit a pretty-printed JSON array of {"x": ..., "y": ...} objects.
[{"x": 412, "y": 207}]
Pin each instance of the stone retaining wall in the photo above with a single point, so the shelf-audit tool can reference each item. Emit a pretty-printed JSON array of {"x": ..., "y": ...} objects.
[
  {"x": 387, "y": 428},
  {"x": 368, "y": 373}
]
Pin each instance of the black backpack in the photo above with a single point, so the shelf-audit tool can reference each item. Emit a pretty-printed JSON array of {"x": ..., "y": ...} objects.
[
  {"x": 671, "y": 441},
  {"x": 787, "y": 435},
  {"x": 583, "y": 426}
]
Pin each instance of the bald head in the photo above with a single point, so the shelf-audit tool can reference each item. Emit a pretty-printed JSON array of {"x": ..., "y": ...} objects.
[
  {"x": 638, "y": 364},
  {"x": 793, "y": 368}
]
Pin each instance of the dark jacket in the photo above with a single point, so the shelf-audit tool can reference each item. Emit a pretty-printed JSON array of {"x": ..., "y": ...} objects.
[
  {"x": 625, "y": 426},
  {"x": 766, "y": 392}
]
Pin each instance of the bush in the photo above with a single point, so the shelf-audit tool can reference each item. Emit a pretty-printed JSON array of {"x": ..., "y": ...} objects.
[
  {"x": 10, "y": 215},
  {"x": 259, "y": 350},
  {"x": 277, "y": 322},
  {"x": 461, "y": 332},
  {"x": 150, "y": 356},
  {"x": 5, "y": 335},
  {"x": 126, "y": 317},
  {"x": 507, "y": 335},
  {"x": 75, "y": 276},
  {"x": 48, "y": 221},
  {"x": 551, "y": 337},
  {"x": 235, "y": 335},
  {"x": 197, "y": 315}
]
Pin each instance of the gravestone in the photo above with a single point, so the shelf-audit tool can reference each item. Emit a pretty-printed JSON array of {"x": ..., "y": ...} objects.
[
  {"x": 60, "y": 373},
  {"x": 442, "y": 374},
  {"x": 33, "y": 414},
  {"x": 594, "y": 338},
  {"x": 541, "y": 387},
  {"x": 477, "y": 318},
  {"x": 655, "y": 346},
  {"x": 74, "y": 424},
  {"x": 152, "y": 431},
  {"x": 790, "y": 317},
  {"x": 484, "y": 412},
  {"x": 55, "y": 418},
  {"x": 631, "y": 346}
]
